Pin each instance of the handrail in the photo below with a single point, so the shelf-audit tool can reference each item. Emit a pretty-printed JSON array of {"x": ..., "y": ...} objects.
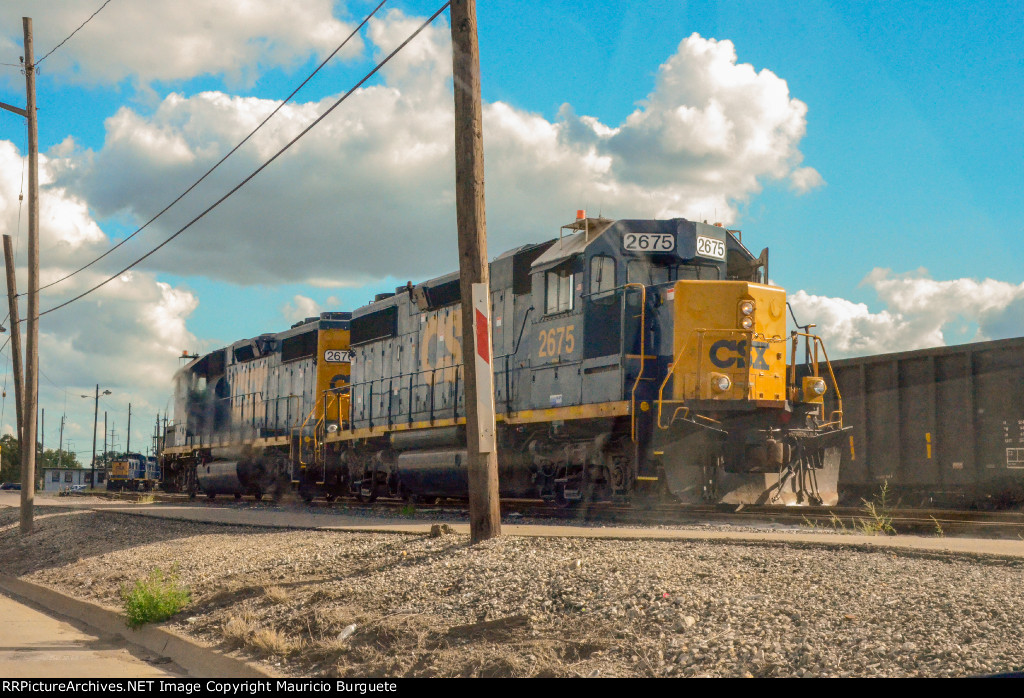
[
  {"x": 643, "y": 361},
  {"x": 698, "y": 331},
  {"x": 668, "y": 375},
  {"x": 835, "y": 384}
]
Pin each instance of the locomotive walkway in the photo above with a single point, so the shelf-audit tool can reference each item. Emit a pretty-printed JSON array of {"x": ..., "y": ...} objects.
[{"x": 283, "y": 518}]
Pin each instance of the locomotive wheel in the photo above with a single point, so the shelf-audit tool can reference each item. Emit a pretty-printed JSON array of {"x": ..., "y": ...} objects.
[
  {"x": 258, "y": 496},
  {"x": 191, "y": 495},
  {"x": 211, "y": 496},
  {"x": 238, "y": 495},
  {"x": 330, "y": 496}
]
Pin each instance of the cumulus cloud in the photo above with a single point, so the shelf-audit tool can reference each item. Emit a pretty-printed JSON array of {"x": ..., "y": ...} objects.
[
  {"x": 300, "y": 308},
  {"x": 377, "y": 176},
  {"x": 919, "y": 312},
  {"x": 126, "y": 336},
  {"x": 804, "y": 179},
  {"x": 175, "y": 39}
]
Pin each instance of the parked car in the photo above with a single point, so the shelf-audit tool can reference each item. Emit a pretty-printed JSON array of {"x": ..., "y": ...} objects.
[{"x": 10, "y": 486}]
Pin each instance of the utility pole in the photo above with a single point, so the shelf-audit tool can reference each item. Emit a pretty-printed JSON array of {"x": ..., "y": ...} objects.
[
  {"x": 28, "y": 455},
  {"x": 128, "y": 447},
  {"x": 12, "y": 304},
  {"x": 42, "y": 434},
  {"x": 474, "y": 277},
  {"x": 60, "y": 444},
  {"x": 104, "y": 440},
  {"x": 95, "y": 416}
]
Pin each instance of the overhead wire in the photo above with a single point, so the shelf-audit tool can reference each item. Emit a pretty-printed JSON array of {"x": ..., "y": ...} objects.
[
  {"x": 259, "y": 169},
  {"x": 73, "y": 33},
  {"x": 229, "y": 154}
]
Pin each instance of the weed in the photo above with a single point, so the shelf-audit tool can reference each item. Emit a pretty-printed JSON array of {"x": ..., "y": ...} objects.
[
  {"x": 240, "y": 628},
  {"x": 834, "y": 522},
  {"x": 938, "y": 528},
  {"x": 274, "y": 642},
  {"x": 408, "y": 509},
  {"x": 878, "y": 514},
  {"x": 146, "y": 498},
  {"x": 837, "y": 523},
  {"x": 154, "y": 599},
  {"x": 275, "y": 594}
]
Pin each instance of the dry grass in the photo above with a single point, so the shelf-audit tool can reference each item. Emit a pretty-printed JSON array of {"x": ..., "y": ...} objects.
[
  {"x": 273, "y": 642},
  {"x": 275, "y": 594},
  {"x": 240, "y": 628}
]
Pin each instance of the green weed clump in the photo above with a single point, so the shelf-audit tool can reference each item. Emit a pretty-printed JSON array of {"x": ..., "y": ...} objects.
[
  {"x": 154, "y": 599},
  {"x": 878, "y": 512}
]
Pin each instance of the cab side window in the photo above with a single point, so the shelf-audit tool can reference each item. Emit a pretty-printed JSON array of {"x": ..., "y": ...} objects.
[
  {"x": 559, "y": 290},
  {"x": 602, "y": 276},
  {"x": 638, "y": 272}
]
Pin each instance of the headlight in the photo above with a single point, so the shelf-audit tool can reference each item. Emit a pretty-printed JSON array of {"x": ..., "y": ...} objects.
[
  {"x": 720, "y": 383},
  {"x": 818, "y": 387},
  {"x": 747, "y": 307},
  {"x": 332, "y": 427},
  {"x": 747, "y": 322}
]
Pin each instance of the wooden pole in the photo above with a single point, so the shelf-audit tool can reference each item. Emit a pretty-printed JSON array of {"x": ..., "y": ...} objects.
[
  {"x": 28, "y": 455},
  {"x": 95, "y": 419},
  {"x": 12, "y": 304},
  {"x": 128, "y": 446},
  {"x": 474, "y": 276}
]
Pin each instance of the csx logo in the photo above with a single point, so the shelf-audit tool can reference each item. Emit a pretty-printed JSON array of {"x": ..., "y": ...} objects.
[{"x": 730, "y": 353}]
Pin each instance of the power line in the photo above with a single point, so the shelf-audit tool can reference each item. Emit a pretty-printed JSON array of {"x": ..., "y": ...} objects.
[
  {"x": 72, "y": 33},
  {"x": 230, "y": 153},
  {"x": 259, "y": 169}
]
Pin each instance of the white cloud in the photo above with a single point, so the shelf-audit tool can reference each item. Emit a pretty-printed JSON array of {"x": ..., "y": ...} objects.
[
  {"x": 126, "y": 336},
  {"x": 377, "y": 175},
  {"x": 803, "y": 179},
  {"x": 175, "y": 39},
  {"x": 300, "y": 308},
  {"x": 919, "y": 312}
]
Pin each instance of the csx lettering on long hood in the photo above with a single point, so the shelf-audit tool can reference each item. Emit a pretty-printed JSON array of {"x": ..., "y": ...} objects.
[{"x": 731, "y": 353}]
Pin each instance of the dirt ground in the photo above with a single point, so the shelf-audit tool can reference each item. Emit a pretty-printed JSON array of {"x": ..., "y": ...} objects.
[{"x": 323, "y": 603}]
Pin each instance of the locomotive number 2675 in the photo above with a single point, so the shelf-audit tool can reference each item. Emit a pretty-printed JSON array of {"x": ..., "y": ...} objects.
[{"x": 557, "y": 340}]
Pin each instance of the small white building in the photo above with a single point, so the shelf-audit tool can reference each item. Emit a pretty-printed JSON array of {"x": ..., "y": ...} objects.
[{"x": 56, "y": 479}]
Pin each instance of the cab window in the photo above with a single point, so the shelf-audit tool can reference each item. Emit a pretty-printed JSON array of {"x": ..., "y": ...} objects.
[
  {"x": 602, "y": 276},
  {"x": 559, "y": 295},
  {"x": 638, "y": 272}
]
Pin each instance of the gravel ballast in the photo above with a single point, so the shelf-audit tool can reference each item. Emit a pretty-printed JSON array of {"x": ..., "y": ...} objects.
[{"x": 355, "y": 604}]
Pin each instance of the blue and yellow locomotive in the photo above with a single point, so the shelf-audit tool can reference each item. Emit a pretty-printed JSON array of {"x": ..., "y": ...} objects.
[{"x": 629, "y": 356}]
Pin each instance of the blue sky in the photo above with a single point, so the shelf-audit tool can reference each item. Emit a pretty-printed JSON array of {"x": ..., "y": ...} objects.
[{"x": 914, "y": 121}]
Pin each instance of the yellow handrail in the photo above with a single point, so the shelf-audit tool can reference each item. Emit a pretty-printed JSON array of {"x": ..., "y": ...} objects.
[{"x": 835, "y": 384}]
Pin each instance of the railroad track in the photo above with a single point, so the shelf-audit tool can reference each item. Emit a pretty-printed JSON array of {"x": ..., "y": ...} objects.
[{"x": 987, "y": 524}]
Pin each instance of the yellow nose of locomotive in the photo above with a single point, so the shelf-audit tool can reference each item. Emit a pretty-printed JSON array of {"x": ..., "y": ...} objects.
[{"x": 729, "y": 341}]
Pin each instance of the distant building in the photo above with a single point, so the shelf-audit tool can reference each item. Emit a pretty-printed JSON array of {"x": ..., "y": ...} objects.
[{"x": 56, "y": 479}]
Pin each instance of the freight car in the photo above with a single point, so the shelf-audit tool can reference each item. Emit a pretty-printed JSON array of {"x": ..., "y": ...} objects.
[
  {"x": 630, "y": 356},
  {"x": 941, "y": 426}
]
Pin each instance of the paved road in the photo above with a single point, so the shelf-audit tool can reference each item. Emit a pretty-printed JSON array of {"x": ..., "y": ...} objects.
[
  {"x": 296, "y": 518},
  {"x": 36, "y": 645}
]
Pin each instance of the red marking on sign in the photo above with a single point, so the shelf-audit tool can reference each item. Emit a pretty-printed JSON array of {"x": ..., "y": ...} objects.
[{"x": 482, "y": 348}]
